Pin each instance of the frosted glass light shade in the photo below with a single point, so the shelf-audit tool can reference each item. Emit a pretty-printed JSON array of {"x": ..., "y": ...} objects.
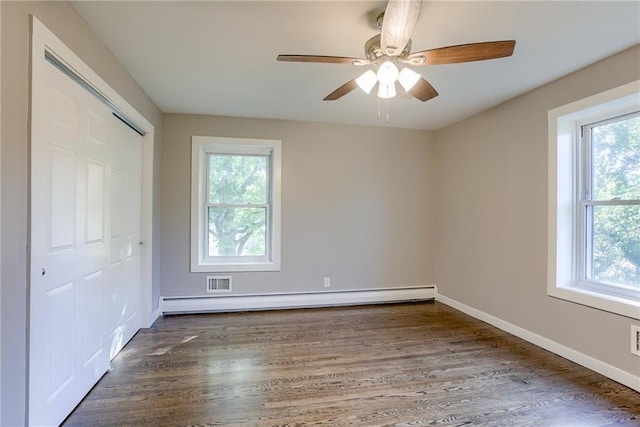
[
  {"x": 386, "y": 91},
  {"x": 367, "y": 81},
  {"x": 408, "y": 78},
  {"x": 387, "y": 73}
]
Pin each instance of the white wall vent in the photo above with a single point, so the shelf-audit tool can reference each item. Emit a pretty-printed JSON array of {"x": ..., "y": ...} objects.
[{"x": 218, "y": 283}]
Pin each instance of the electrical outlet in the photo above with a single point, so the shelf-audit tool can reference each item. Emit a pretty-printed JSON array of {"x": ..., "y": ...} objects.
[
  {"x": 635, "y": 340},
  {"x": 327, "y": 282}
]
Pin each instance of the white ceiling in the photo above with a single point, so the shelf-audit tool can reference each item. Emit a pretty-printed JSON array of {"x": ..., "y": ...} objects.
[{"x": 219, "y": 57}]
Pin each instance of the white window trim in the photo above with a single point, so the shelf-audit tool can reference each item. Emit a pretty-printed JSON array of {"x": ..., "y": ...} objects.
[
  {"x": 564, "y": 127},
  {"x": 200, "y": 146}
]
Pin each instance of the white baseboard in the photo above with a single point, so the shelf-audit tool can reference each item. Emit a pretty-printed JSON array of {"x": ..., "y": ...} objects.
[
  {"x": 154, "y": 316},
  {"x": 589, "y": 362},
  {"x": 175, "y": 305}
]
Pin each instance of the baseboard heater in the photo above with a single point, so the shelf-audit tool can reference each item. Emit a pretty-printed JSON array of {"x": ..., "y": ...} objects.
[{"x": 208, "y": 304}]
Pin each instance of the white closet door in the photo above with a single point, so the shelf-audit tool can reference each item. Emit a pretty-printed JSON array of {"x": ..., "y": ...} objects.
[
  {"x": 123, "y": 308},
  {"x": 72, "y": 244}
]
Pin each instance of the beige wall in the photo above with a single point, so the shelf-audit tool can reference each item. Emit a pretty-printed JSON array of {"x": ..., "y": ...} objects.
[
  {"x": 491, "y": 213},
  {"x": 357, "y": 205},
  {"x": 72, "y": 30}
]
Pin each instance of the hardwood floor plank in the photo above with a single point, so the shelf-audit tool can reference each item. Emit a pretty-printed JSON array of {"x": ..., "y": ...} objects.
[{"x": 401, "y": 364}]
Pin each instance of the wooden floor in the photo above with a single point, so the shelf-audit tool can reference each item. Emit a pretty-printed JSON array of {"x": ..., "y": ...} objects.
[{"x": 402, "y": 364}]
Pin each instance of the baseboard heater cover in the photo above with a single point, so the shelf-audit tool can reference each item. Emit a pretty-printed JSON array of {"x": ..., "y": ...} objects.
[{"x": 207, "y": 304}]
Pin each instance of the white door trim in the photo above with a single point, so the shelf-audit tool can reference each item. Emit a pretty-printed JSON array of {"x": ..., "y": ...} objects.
[{"x": 44, "y": 40}]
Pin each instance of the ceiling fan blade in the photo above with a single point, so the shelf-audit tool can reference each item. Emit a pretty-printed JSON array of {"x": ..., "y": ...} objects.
[
  {"x": 423, "y": 90},
  {"x": 399, "y": 20},
  {"x": 463, "y": 53},
  {"x": 323, "y": 59},
  {"x": 341, "y": 91}
]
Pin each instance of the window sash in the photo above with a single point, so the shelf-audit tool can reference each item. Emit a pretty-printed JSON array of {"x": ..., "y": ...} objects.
[
  {"x": 586, "y": 154},
  {"x": 585, "y": 220},
  {"x": 252, "y": 153},
  {"x": 238, "y": 259},
  {"x": 585, "y": 254}
]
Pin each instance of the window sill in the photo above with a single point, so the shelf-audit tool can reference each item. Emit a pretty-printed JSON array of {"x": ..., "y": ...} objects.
[
  {"x": 612, "y": 304},
  {"x": 235, "y": 268}
]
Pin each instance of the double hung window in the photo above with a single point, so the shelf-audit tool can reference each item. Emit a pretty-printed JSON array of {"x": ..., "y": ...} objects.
[
  {"x": 235, "y": 204},
  {"x": 594, "y": 201},
  {"x": 609, "y": 258}
]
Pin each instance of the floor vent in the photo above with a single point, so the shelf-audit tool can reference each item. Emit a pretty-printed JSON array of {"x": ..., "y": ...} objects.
[{"x": 218, "y": 283}]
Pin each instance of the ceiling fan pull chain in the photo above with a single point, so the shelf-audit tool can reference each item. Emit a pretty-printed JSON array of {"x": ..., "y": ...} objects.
[{"x": 387, "y": 110}]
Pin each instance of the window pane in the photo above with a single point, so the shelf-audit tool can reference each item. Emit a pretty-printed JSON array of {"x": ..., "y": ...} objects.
[
  {"x": 237, "y": 179},
  {"x": 237, "y": 231},
  {"x": 616, "y": 245},
  {"x": 616, "y": 160}
]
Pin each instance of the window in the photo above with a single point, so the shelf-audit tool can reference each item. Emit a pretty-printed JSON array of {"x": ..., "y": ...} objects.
[
  {"x": 235, "y": 204},
  {"x": 610, "y": 205},
  {"x": 594, "y": 201}
]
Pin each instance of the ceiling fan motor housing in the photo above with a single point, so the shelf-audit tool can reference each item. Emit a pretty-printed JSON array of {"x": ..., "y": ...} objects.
[{"x": 373, "y": 52}]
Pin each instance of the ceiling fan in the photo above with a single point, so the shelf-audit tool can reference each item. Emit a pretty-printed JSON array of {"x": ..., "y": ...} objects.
[{"x": 389, "y": 54}]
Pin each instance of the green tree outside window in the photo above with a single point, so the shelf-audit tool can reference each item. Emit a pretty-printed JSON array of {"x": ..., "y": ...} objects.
[
  {"x": 237, "y": 208},
  {"x": 615, "y": 176}
]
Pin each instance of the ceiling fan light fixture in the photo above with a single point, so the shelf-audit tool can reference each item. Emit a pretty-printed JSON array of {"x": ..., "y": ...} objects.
[
  {"x": 367, "y": 81},
  {"x": 387, "y": 73},
  {"x": 386, "y": 91},
  {"x": 408, "y": 78},
  {"x": 391, "y": 49}
]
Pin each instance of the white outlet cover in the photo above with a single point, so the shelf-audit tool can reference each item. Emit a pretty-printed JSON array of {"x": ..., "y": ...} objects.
[{"x": 635, "y": 340}]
